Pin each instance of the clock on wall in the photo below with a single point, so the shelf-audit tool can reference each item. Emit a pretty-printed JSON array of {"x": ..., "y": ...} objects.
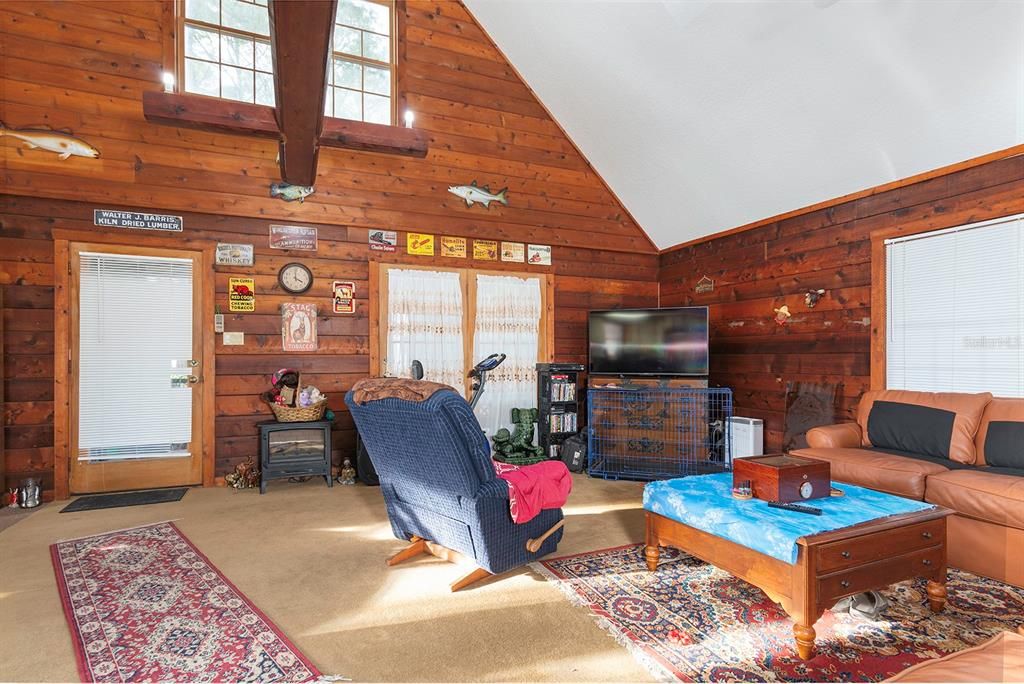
[{"x": 295, "y": 278}]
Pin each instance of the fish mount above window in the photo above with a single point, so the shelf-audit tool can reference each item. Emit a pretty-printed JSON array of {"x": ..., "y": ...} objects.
[
  {"x": 290, "y": 193},
  {"x": 62, "y": 142},
  {"x": 474, "y": 193}
]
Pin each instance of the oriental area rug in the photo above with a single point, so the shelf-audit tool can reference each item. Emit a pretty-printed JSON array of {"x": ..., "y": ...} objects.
[
  {"x": 690, "y": 621},
  {"x": 144, "y": 604}
]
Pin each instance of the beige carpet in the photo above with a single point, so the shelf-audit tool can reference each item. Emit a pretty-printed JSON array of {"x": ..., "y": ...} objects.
[{"x": 312, "y": 559}]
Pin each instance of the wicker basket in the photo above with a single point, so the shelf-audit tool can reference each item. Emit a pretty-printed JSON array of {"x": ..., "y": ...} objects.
[{"x": 299, "y": 414}]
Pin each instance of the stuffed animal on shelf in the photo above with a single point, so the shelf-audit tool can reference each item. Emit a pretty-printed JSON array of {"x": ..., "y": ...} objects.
[
  {"x": 284, "y": 388},
  {"x": 310, "y": 395},
  {"x": 517, "y": 446}
]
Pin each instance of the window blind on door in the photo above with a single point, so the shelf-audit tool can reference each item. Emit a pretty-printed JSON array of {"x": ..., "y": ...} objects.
[
  {"x": 955, "y": 309},
  {"x": 135, "y": 344}
]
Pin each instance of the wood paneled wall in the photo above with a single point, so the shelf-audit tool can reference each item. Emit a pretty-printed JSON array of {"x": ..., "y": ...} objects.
[
  {"x": 84, "y": 66},
  {"x": 758, "y": 270}
]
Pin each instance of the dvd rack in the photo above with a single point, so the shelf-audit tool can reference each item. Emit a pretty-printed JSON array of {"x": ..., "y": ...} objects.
[{"x": 561, "y": 404}]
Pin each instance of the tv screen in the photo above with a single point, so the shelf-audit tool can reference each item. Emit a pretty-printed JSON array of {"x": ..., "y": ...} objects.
[{"x": 650, "y": 341}]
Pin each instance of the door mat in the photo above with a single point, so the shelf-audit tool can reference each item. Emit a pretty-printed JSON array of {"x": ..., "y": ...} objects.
[
  {"x": 689, "y": 621},
  {"x": 145, "y": 605},
  {"x": 94, "y": 502}
]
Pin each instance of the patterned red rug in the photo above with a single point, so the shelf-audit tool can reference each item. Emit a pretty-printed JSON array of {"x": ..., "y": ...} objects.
[
  {"x": 690, "y": 621},
  {"x": 144, "y": 604}
]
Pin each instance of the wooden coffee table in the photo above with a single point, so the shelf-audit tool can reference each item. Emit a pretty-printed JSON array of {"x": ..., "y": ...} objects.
[{"x": 829, "y": 566}]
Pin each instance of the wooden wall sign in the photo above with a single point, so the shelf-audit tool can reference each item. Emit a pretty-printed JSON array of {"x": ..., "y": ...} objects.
[
  {"x": 383, "y": 240},
  {"x": 298, "y": 327},
  {"x": 513, "y": 251},
  {"x": 231, "y": 254},
  {"x": 538, "y": 255},
  {"x": 293, "y": 237},
  {"x": 241, "y": 294},
  {"x": 454, "y": 247},
  {"x": 110, "y": 218},
  {"x": 420, "y": 244},
  {"x": 344, "y": 296},
  {"x": 704, "y": 285},
  {"x": 485, "y": 250}
]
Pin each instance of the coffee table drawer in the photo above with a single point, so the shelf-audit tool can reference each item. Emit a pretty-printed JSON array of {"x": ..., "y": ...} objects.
[
  {"x": 879, "y": 574},
  {"x": 869, "y": 548}
]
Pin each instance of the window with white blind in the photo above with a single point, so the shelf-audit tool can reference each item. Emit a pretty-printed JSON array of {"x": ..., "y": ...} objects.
[
  {"x": 955, "y": 309},
  {"x": 135, "y": 344}
]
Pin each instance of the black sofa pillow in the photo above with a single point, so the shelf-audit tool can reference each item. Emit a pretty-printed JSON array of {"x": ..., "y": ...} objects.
[
  {"x": 910, "y": 427},
  {"x": 1004, "y": 444}
]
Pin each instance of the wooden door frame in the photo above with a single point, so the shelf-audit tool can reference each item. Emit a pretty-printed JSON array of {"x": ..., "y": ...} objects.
[
  {"x": 379, "y": 297},
  {"x": 62, "y": 390},
  {"x": 879, "y": 291}
]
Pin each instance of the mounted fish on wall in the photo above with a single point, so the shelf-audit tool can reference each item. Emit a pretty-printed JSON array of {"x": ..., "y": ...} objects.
[
  {"x": 482, "y": 195},
  {"x": 290, "y": 193},
  {"x": 61, "y": 143}
]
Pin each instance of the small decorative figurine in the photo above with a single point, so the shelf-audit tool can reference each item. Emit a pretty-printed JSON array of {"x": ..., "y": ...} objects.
[
  {"x": 517, "y": 447},
  {"x": 782, "y": 315},
  {"x": 246, "y": 475},
  {"x": 12, "y": 497},
  {"x": 812, "y": 297},
  {"x": 348, "y": 473}
]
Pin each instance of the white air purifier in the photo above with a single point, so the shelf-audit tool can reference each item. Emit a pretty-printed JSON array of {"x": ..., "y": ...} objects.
[{"x": 746, "y": 436}]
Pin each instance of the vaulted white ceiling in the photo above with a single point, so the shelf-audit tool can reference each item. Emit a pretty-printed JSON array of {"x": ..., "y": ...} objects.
[{"x": 703, "y": 116}]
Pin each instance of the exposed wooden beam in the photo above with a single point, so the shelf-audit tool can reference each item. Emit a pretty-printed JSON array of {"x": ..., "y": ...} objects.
[
  {"x": 209, "y": 114},
  {"x": 371, "y": 137},
  {"x": 242, "y": 118},
  {"x": 300, "y": 39}
]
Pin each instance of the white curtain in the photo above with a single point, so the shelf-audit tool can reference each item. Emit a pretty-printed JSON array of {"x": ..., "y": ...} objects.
[
  {"x": 508, "y": 311},
  {"x": 425, "y": 323}
]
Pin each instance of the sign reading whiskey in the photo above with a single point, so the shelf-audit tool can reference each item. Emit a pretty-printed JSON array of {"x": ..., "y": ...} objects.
[{"x": 133, "y": 219}]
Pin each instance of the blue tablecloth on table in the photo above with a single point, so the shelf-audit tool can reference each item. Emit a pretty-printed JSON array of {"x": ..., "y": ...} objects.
[{"x": 705, "y": 502}]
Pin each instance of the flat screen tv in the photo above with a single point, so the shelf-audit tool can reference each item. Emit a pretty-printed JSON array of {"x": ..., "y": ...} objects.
[{"x": 649, "y": 341}]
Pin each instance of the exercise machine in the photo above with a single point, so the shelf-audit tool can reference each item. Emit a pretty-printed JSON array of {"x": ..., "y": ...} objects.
[{"x": 479, "y": 375}]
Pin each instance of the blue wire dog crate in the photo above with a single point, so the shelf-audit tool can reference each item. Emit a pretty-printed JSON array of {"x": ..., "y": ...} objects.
[{"x": 657, "y": 433}]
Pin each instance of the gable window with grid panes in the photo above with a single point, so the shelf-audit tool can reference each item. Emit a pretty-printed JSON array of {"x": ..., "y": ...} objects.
[{"x": 226, "y": 53}]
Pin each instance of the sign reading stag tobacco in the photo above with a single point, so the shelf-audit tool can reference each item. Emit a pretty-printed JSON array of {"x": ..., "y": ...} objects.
[{"x": 293, "y": 237}]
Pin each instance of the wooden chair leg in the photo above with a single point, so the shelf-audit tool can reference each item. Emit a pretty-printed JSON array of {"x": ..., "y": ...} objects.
[
  {"x": 475, "y": 576},
  {"x": 416, "y": 547}
]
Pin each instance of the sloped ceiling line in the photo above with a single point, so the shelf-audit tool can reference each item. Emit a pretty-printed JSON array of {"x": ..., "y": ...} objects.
[{"x": 702, "y": 116}]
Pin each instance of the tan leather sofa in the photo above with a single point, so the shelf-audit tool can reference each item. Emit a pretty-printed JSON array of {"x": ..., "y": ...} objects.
[
  {"x": 986, "y": 536},
  {"x": 1000, "y": 659}
]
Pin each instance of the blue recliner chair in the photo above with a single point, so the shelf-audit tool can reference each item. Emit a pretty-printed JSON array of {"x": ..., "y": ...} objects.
[{"x": 440, "y": 488}]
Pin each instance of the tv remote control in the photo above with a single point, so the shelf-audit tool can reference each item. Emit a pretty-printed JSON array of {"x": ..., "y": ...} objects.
[{"x": 795, "y": 507}]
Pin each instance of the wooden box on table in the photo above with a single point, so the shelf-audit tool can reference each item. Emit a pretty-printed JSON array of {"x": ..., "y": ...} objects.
[{"x": 784, "y": 478}]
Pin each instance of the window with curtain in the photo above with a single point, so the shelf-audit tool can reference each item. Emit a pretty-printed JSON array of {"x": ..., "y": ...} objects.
[
  {"x": 507, "y": 321},
  {"x": 135, "y": 338},
  {"x": 449, "y": 320},
  {"x": 955, "y": 309},
  {"x": 425, "y": 320}
]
